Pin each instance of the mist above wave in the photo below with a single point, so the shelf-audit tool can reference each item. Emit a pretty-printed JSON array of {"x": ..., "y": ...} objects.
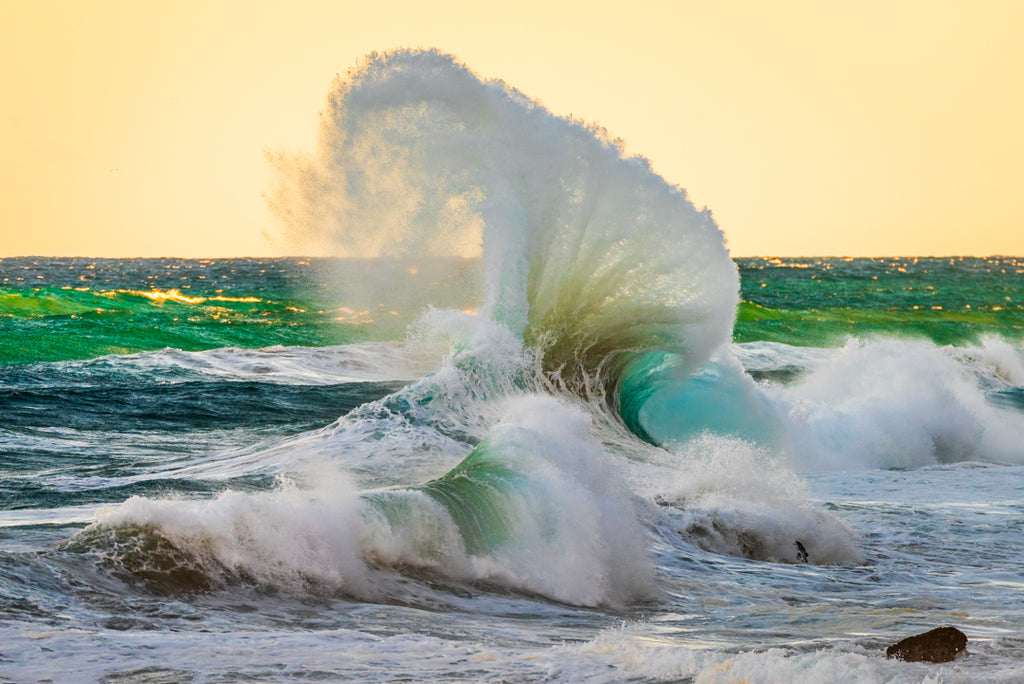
[{"x": 587, "y": 252}]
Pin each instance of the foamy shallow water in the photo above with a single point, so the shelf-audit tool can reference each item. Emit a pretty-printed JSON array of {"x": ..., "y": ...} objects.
[{"x": 941, "y": 544}]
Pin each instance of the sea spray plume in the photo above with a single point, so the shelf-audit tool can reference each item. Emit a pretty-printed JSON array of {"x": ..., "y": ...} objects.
[
  {"x": 589, "y": 255},
  {"x": 366, "y": 192}
]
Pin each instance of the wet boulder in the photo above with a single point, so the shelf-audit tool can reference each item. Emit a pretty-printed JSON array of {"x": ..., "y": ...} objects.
[{"x": 939, "y": 645}]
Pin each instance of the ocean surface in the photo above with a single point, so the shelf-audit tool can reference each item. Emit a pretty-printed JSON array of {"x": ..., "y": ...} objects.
[{"x": 600, "y": 449}]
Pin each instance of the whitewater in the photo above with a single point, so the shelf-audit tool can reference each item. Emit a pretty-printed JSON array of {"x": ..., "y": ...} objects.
[{"x": 522, "y": 419}]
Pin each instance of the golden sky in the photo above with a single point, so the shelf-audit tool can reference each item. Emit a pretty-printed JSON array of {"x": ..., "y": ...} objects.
[{"x": 890, "y": 127}]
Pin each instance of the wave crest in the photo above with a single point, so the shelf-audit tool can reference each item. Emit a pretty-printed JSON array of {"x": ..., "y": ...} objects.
[{"x": 589, "y": 255}]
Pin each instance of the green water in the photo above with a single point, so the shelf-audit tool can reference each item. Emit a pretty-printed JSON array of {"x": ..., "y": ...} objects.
[
  {"x": 821, "y": 302},
  {"x": 55, "y": 309}
]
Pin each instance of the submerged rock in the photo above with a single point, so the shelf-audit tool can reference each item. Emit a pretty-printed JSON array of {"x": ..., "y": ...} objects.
[{"x": 940, "y": 645}]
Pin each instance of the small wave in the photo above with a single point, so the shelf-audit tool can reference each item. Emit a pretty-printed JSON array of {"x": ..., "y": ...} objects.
[
  {"x": 730, "y": 497},
  {"x": 877, "y": 403},
  {"x": 292, "y": 365},
  {"x": 534, "y": 507}
]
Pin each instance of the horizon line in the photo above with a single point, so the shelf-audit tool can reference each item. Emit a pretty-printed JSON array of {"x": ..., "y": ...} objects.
[{"x": 312, "y": 256}]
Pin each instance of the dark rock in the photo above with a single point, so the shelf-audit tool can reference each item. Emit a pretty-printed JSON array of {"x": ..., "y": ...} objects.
[
  {"x": 801, "y": 552},
  {"x": 939, "y": 645}
]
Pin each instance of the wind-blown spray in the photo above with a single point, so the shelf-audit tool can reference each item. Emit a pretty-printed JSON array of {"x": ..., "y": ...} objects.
[{"x": 588, "y": 254}]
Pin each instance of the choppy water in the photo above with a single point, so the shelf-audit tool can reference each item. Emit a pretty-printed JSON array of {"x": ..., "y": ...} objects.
[{"x": 546, "y": 464}]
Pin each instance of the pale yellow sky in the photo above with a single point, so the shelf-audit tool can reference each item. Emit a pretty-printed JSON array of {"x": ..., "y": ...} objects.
[{"x": 869, "y": 128}]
